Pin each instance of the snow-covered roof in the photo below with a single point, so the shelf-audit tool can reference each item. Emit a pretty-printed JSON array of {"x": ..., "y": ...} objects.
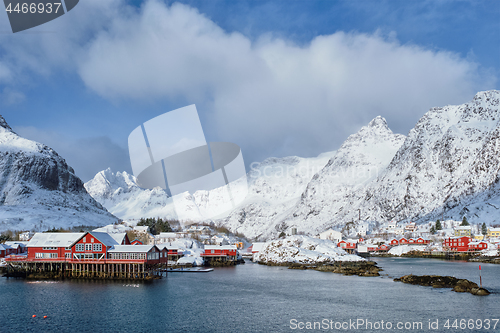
[
  {"x": 256, "y": 247},
  {"x": 165, "y": 245},
  {"x": 105, "y": 238},
  {"x": 220, "y": 247},
  {"x": 330, "y": 231},
  {"x": 16, "y": 243},
  {"x": 167, "y": 235},
  {"x": 56, "y": 239},
  {"x": 118, "y": 237},
  {"x": 494, "y": 229},
  {"x": 457, "y": 237},
  {"x": 463, "y": 227},
  {"x": 2, "y": 247},
  {"x": 141, "y": 228},
  {"x": 131, "y": 248}
]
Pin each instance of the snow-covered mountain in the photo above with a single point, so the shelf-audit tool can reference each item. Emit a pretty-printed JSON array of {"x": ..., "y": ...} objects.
[
  {"x": 38, "y": 190},
  {"x": 275, "y": 182},
  {"x": 448, "y": 166},
  {"x": 119, "y": 193},
  {"x": 330, "y": 191}
]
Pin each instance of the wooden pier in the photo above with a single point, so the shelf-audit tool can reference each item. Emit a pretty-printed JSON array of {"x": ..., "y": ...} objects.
[{"x": 71, "y": 269}]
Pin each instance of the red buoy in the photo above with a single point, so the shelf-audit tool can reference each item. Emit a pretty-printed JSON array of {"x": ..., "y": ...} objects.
[
  {"x": 44, "y": 317},
  {"x": 33, "y": 316}
]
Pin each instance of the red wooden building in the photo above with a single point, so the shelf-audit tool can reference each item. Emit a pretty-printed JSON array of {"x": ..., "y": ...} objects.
[
  {"x": 477, "y": 246},
  {"x": 171, "y": 254},
  {"x": 348, "y": 245},
  {"x": 383, "y": 248},
  {"x": 221, "y": 253},
  {"x": 404, "y": 241},
  {"x": 418, "y": 241},
  {"x": 90, "y": 255},
  {"x": 457, "y": 244}
]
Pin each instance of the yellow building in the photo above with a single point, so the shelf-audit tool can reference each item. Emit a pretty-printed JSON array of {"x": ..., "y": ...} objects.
[
  {"x": 463, "y": 231},
  {"x": 494, "y": 232},
  {"x": 479, "y": 237}
]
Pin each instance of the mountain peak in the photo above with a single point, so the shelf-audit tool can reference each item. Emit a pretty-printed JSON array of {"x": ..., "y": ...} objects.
[
  {"x": 487, "y": 95},
  {"x": 378, "y": 122},
  {"x": 4, "y": 124}
]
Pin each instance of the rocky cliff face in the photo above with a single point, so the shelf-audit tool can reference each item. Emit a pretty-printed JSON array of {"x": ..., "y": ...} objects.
[{"x": 39, "y": 190}]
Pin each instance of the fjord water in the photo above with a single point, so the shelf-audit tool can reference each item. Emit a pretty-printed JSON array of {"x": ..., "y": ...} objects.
[{"x": 248, "y": 298}]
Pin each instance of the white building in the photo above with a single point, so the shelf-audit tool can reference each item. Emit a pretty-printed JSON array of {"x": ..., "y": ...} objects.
[
  {"x": 331, "y": 234},
  {"x": 25, "y": 236},
  {"x": 391, "y": 226}
]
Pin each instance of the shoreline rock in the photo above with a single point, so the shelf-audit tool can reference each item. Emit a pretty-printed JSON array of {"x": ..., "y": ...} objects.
[
  {"x": 437, "y": 281},
  {"x": 486, "y": 260},
  {"x": 360, "y": 268}
]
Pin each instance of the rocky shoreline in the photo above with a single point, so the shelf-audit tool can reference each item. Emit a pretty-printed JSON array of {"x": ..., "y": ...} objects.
[
  {"x": 436, "y": 281},
  {"x": 459, "y": 256},
  {"x": 487, "y": 260},
  {"x": 360, "y": 268}
]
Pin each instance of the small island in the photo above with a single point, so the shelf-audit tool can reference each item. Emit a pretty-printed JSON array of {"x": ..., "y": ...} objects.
[
  {"x": 304, "y": 252},
  {"x": 436, "y": 281}
]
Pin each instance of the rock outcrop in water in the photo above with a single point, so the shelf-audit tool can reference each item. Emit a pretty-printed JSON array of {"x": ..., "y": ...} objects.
[{"x": 436, "y": 281}]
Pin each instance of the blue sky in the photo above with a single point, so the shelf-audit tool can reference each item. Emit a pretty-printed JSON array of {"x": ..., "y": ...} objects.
[{"x": 278, "y": 78}]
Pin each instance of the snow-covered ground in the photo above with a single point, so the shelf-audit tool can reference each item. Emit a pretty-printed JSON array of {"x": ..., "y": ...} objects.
[
  {"x": 191, "y": 248},
  {"x": 490, "y": 253},
  {"x": 402, "y": 249},
  {"x": 304, "y": 250}
]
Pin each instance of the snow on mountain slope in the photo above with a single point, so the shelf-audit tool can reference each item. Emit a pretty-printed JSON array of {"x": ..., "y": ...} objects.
[
  {"x": 39, "y": 190},
  {"x": 274, "y": 183},
  {"x": 448, "y": 166},
  {"x": 120, "y": 195},
  {"x": 357, "y": 162},
  {"x": 449, "y": 160}
]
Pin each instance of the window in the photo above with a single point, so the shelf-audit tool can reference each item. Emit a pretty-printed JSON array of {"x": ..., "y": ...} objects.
[
  {"x": 97, "y": 247},
  {"x": 68, "y": 255},
  {"x": 38, "y": 255},
  {"x": 53, "y": 255},
  {"x": 49, "y": 248},
  {"x": 80, "y": 247},
  {"x": 91, "y": 240},
  {"x": 88, "y": 247}
]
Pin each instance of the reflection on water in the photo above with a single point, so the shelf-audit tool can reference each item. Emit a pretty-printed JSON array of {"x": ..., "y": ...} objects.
[{"x": 246, "y": 298}]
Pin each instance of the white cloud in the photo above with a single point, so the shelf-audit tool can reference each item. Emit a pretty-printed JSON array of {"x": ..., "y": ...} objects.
[
  {"x": 9, "y": 96},
  {"x": 272, "y": 96}
]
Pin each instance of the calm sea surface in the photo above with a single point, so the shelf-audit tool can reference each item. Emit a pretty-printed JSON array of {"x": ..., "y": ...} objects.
[{"x": 255, "y": 298}]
